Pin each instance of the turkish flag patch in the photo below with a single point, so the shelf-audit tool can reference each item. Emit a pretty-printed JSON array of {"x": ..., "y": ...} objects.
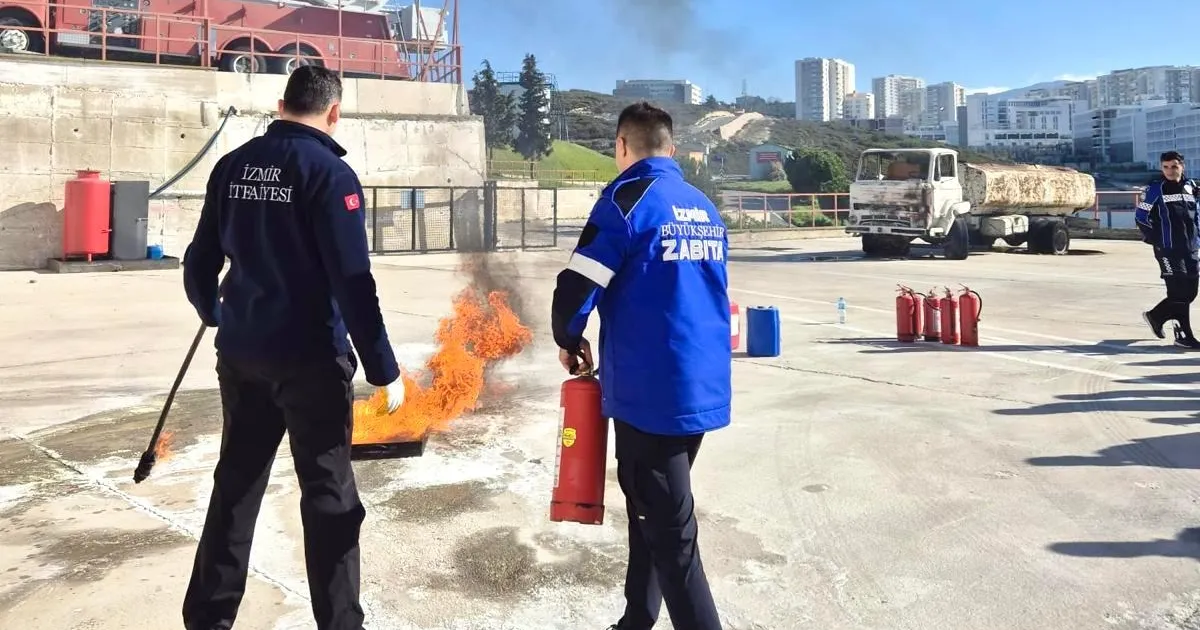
[{"x": 352, "y": 203}]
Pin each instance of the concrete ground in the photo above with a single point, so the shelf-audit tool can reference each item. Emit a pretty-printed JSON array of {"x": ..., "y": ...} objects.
[{"x": 1046, "y": 480}]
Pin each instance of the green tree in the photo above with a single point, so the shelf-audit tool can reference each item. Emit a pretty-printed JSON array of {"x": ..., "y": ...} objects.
[
  {"x": 697, "y": 174},
  {"x": 711, "y": 103},
  {"x": 497, "y": 109},
  {"x": 813, "y": 170},
  {"x": 533, "y": 129}
]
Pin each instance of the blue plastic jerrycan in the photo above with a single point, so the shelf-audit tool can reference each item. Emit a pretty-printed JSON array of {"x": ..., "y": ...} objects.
[{"x": 762, "y": 331}]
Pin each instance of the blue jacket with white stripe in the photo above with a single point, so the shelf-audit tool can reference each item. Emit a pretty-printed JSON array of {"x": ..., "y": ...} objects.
[
  {"x": 652, "y": 260},
  {"x": 1169, "y": 217}
]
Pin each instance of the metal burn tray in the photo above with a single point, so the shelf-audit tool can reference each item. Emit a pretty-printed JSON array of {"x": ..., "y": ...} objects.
[{"x": 388, "y": 450}]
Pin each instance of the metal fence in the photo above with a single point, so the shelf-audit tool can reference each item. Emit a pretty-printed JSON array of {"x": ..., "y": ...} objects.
[
  {"x": 416, "y": 219},
  {"x": 767, "y": 211}
]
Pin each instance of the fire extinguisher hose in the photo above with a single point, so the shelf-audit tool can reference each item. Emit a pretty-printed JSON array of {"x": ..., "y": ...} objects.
[{"x": 150, "y": 457}]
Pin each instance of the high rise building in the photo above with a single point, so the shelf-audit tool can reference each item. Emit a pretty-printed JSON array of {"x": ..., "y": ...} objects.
[
  {"x": 895, "y": 96},
  {"x": 942, "y": 101},
  {"x": 821, "y": 88},
  {"x": 1132, "y": 86},
  {"x": 859, "y": 106}
]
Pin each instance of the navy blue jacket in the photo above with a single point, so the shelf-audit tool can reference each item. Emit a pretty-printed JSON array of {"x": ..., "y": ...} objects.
[
  {"x": 651, "y": 259},
  {"x": 1169, "y": 217},
  {"x": 288, "y": 213}
]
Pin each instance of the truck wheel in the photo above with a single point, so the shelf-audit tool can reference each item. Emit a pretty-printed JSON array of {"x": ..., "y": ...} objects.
[
  {"x": 873, "y": 245},
  {"x": 239, "y": 60},
  {"x": 15, "y": 40},
  {"x": 958, "y": 242},
  {"x": 1049, "y": 236}
]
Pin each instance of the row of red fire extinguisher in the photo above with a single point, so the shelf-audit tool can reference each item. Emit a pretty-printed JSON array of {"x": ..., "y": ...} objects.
[{"x": 949, "y": 318}]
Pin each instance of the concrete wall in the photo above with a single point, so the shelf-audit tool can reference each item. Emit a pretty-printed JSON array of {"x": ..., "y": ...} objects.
[{"x": 142, "y": 122}]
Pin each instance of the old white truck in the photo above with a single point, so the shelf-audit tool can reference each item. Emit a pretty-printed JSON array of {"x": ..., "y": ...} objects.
[{"x": 900, "y": 195}]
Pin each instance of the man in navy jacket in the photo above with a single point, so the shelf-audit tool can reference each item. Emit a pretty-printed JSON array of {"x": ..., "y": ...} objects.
[
  {"x": 287, "y": 213},
  {"x": 1169, "y": 219},
  {"x": 651, "y": 259}
]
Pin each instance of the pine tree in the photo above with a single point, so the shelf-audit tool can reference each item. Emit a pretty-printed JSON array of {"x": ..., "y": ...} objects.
[
  {"x": 533, "y": 130},
  {"x": 498, "y": 110}
]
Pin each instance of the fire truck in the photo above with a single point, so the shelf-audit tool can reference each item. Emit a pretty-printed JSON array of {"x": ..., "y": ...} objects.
[{"x": 359, "y": 38}]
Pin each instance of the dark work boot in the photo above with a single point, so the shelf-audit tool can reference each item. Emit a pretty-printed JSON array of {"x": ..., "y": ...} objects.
[
  {"x": 1186, "y": 340},
  {"x": 1155, "y": 323}
]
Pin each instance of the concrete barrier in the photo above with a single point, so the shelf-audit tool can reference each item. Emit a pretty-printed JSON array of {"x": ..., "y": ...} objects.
[{"x": 145, "y": 122}]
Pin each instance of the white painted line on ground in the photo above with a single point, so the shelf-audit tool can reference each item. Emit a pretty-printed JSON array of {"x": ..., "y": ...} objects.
[{"x": 1010, "y": 331}]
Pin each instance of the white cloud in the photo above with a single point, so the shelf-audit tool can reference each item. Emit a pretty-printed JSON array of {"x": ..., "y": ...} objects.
[{"x": 986, "y": 90}]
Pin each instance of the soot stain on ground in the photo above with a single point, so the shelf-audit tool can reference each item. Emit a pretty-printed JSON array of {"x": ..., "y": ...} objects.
[
  {"x": 438, "y": 503},
  {"x": 725, "y": 537},
  {"x": 90, "y": 554},
  {"x": 126, "y": 432},
  {"x": 21, "y": 463},
  {"x": 496, "y": 564}
]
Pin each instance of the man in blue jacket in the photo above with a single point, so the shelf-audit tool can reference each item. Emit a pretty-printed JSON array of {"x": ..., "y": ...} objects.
[
  {"x": 1169, "y": 219},
  {"x": 287, "y": 213},
  {"x": 651, "y": 259}
]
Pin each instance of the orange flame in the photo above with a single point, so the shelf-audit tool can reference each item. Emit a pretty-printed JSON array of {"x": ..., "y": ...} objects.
[
  {"x": 162, "y": 449},
  {"x": 482, "y": 329}
]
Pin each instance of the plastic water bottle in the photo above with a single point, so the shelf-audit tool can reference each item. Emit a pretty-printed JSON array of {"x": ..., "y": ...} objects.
[{"x": 841, "y": 307}]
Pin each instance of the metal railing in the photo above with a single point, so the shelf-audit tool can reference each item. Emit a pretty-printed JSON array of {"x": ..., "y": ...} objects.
[
  {"x": 751, "y": 211},
  {"x": 197, "y": 41},
  {"x": 768, "y": 211},
  {"x": 421, "y": 219},
  {"x": 532, "y": 171}
]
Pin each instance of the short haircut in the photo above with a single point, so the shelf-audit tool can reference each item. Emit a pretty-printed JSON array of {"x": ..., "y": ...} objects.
[
  {"x": 311, "y": 90},
  {"x": 1171, "y": 156},
  {"x": 646, "y": 128}
]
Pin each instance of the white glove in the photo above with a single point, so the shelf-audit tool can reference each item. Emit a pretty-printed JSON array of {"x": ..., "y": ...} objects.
[{"x": 395, "y": 395}]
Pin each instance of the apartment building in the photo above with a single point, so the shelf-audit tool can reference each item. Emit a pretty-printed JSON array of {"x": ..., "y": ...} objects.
[
  {"x": 1132, "y": 86},
  {"x": 859, "y": 106},
  {"x": 660, "y": 90},
  {"x": 899, "y": 96},
  {"x": 822, "y": 85},
  {"x": 942, "y": 101}
]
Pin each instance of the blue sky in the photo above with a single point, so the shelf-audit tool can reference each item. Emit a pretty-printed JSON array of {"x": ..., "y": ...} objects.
[{"x": 718, "y": 43}]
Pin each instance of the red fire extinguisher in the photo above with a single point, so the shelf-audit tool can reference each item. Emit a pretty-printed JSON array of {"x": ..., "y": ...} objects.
[
  {"x": 581, "y": 454},
  {"x": 918, "y": 313},
  {"x": 949, "y": 318},
  {"x": 970, "y": 310},
  {"x": 933, "y": 317},
  {"x": 905, "y": 305}
]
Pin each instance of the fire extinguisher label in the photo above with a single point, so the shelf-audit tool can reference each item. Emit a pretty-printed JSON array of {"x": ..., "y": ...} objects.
[{"x": 568, "y": 437}]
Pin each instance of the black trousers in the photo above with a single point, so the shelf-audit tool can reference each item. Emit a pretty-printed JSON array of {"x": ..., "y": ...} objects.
[
  {"x": 664, "y": 558},
  {"x": 313, "y": 402},
  {"x": 1182, "y": 279}
]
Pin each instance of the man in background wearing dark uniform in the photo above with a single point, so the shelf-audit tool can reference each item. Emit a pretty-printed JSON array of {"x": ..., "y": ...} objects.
[
  {"x": 287, "y": 212},
  {"x": 651, "y": 259},
  {"x": 1169, "y": 219}
]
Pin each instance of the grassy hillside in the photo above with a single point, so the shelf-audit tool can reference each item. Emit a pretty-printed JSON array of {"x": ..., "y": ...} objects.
[
  {"x": 592, "y": 119},
  {"x": 846, "y": 141},
  {"x": 566, "y": 162}
]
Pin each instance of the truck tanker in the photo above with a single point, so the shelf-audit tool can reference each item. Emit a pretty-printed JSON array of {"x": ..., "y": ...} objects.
[{"x": 904, "y": 194}]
